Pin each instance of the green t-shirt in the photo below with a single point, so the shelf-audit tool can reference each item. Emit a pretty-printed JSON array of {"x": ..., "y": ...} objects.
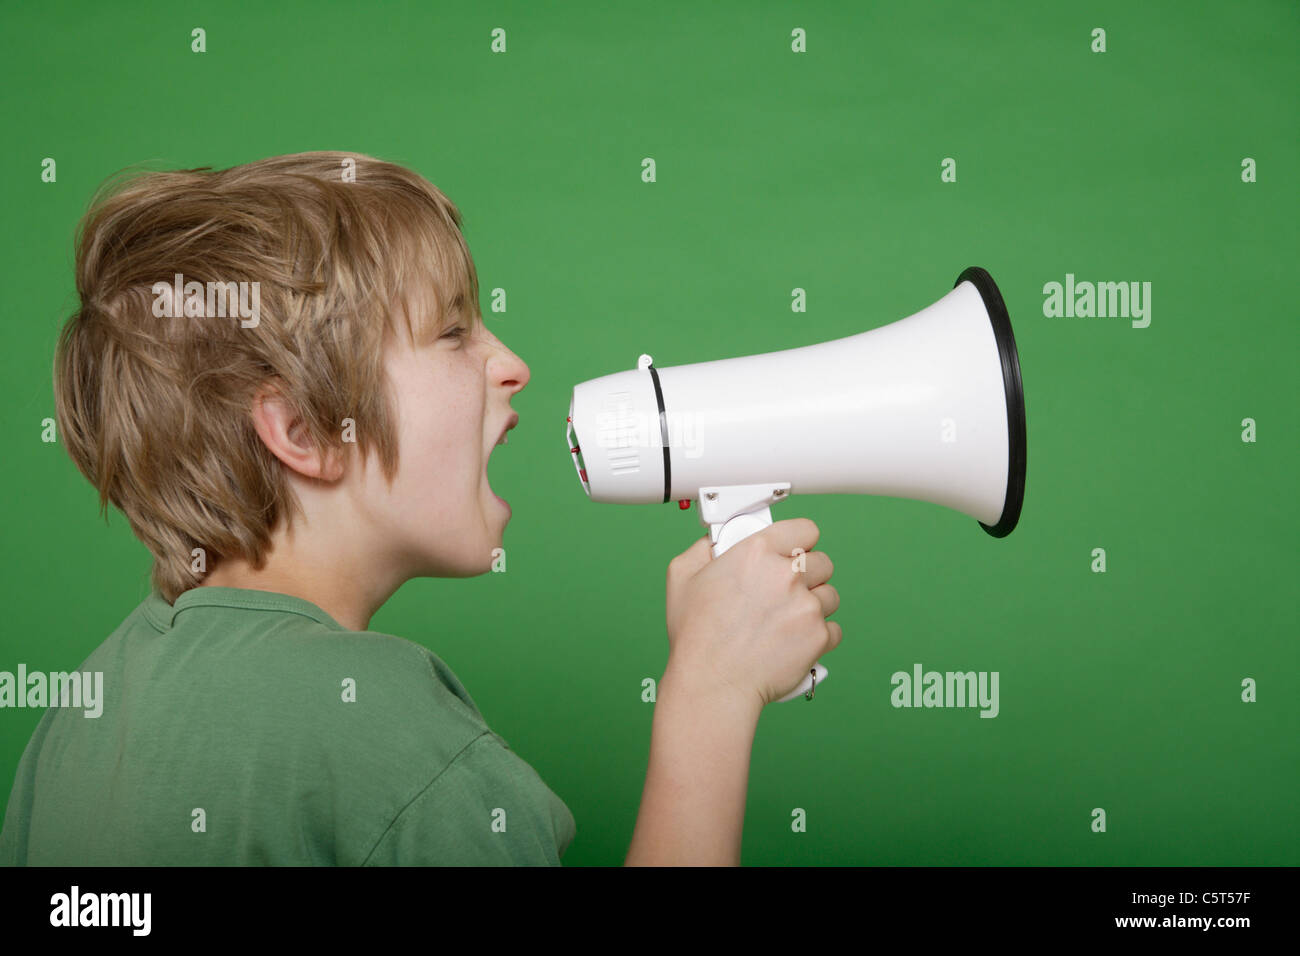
[{"x": 244, "y": 727}]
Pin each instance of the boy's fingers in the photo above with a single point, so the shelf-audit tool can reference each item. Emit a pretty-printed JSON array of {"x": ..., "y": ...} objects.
[
  {"x": 829, "y": 597},
  {"x": 784, "y": 536},
  {"x": 834, "y": 634},
  {"x": 817, "y": 568}
]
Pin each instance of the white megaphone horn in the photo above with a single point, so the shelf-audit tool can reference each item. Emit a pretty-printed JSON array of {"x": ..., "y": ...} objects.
[{"x": 930, "y": 407}]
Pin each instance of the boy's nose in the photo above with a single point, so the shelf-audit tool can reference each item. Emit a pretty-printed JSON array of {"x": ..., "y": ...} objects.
[{"x": 509, "y": 367}]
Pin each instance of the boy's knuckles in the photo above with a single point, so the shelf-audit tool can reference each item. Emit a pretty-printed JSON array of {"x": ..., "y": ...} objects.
[{"x": 810, "y": 605}]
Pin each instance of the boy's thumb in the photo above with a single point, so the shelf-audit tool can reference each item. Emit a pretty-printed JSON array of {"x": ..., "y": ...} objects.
[{"x": 698, "y": 554}]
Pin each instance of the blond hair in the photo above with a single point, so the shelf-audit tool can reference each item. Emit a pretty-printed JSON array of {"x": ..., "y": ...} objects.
[{"x": 347, "y": 250}]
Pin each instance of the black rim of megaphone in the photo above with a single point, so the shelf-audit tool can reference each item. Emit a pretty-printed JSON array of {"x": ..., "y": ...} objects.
[{"x": 997, "y": 310}]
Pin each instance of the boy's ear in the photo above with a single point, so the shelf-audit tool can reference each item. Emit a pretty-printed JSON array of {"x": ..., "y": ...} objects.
[{"x": 284, "y": 433}]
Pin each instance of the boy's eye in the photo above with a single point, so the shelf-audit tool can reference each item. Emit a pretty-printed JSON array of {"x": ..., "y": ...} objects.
[{"x": 455, "y": 333}]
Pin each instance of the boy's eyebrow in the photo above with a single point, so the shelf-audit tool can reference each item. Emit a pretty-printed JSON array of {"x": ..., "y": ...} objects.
[{"x": 462, "y": 301}]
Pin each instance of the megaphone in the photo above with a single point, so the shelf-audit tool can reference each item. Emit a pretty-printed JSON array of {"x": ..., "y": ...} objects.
[{"x": 929, "y": 407}]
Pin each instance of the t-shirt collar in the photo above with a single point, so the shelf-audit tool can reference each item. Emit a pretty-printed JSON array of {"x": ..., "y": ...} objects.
[{"x": 164, "y": 614}]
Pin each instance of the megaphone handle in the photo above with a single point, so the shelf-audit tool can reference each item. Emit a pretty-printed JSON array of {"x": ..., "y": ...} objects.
[{"x": 736, "y": 530}]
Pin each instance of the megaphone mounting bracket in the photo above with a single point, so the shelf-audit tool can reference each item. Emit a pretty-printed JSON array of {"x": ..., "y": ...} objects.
[{"x": 734, "y": 512}]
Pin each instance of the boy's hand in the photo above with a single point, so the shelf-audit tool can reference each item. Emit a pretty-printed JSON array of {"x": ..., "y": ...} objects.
[{"x": 748, "y": 622}]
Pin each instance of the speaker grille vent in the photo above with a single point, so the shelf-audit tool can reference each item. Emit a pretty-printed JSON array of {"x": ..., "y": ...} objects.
[{"x": 616, "y": 432}]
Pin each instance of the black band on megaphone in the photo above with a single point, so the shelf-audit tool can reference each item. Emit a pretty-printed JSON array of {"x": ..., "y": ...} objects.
[
  {"x": 663, "y": 432},
  {"x": 1010, "y": 359}
]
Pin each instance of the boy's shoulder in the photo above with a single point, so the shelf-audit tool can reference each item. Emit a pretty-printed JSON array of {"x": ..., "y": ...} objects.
[
  {"x": 242, "y": 662},
  {"x": 286, "y": 723}
]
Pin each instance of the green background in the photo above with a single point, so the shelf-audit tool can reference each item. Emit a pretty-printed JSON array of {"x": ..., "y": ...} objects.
[{"x": 778, "y": 170}]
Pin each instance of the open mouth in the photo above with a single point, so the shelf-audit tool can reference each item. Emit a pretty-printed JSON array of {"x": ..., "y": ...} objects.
[{"x": 503, "y": 440}]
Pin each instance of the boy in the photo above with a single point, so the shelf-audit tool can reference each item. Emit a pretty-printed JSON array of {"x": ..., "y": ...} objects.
[{"x": 290, "y": 461}]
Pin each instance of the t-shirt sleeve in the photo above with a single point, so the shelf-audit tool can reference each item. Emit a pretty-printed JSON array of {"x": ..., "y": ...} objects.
[
  {"x": 18, "y": 812},
  {"x": 488, "y": 807}
]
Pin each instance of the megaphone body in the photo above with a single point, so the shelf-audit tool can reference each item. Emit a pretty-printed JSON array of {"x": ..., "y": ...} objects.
[{"x": 930, "y": 407}]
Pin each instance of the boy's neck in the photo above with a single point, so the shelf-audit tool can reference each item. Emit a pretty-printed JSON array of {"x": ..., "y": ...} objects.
[{"x": 350, "y": 599}]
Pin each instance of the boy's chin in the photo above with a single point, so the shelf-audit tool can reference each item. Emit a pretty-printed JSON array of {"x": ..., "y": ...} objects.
[
  {"x": 462, "y": 569},
  {"x": 472, "y": 561},
  {"x": 494, "y": 505}
]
